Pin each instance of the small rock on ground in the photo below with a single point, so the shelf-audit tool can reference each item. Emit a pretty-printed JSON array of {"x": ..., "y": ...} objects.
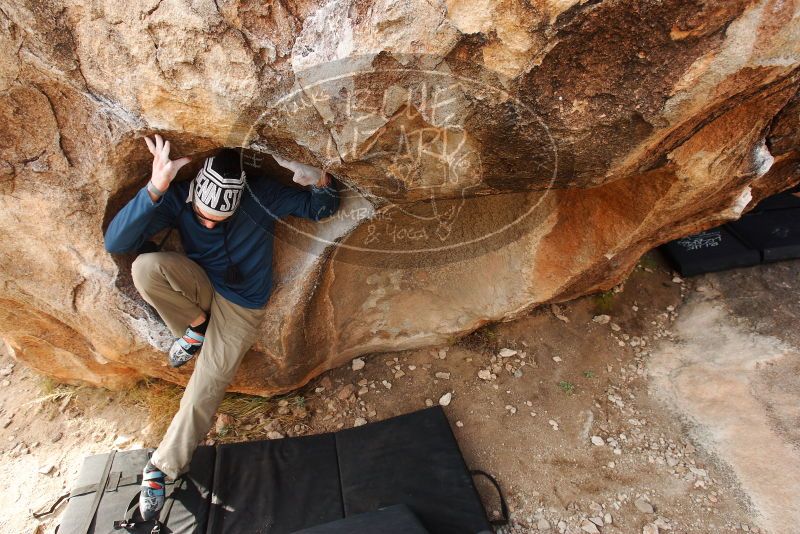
[{"x": 643, "y": 506}]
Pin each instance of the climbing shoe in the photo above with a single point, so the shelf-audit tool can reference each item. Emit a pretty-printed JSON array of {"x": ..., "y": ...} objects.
[
  {"x": 185, "y": 347},
  {"x": 151, "y": 496}
]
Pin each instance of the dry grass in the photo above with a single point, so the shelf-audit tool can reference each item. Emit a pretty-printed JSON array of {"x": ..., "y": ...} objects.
[
  {"x": 484, "y": 339},
  {"x": 53, "y": 392},
  {"x": 159, "y": 399},
  {"x": 245, "y": 417},
  {"x": 254, "y": 417}
]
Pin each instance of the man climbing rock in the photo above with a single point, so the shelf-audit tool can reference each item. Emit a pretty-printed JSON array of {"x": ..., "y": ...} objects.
[{"x": 212, "y": 297}]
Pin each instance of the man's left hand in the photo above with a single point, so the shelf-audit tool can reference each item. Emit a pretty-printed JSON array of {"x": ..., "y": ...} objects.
[
  {"x": 325, "y": 181},
  {"x": 304, "y": 174}
]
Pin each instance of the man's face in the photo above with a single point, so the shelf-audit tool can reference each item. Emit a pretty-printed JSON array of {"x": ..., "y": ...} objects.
[{"x": 207, "y": 220}]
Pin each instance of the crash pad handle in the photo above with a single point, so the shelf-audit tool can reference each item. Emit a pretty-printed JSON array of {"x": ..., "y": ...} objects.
[{"x": 503, "y": 520}]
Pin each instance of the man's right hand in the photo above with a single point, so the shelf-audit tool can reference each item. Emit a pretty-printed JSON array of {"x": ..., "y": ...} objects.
[{"x": 164, "y": 169}]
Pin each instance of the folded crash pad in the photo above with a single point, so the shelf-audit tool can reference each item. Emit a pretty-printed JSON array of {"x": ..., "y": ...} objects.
[
  {"x": 287, "y": 485},
  {"x": 716, "y": 249},
  {"x": 280, "y": 486},
  {"x": 397, "y": 519}
]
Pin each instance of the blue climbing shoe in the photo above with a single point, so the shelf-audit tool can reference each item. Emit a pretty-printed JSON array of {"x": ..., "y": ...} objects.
[
  {"x": 185, "y": 347},
  {"x": 151, "y": 496}
]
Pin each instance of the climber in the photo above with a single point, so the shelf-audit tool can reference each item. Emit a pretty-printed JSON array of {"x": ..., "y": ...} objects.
[{"x": 213, "y": 297}]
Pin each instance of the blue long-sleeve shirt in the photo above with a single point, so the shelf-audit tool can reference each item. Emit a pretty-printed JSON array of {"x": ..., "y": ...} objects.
[{"x": 250, "y": 231}]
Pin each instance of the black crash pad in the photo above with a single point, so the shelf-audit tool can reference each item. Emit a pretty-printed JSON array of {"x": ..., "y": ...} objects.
[
  {"x": 716, "y": 249},
  {"x": 776, "y": 233},
  {"x": 397, "y": 519},
  {"x": 286, "y": 485}
]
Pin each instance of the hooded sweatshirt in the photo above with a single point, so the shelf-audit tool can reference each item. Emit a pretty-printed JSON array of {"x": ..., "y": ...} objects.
[{"x": 250, "y": 231}]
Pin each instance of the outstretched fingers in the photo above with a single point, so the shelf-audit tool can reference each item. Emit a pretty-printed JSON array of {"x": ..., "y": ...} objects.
[
  {"x": 164, "y": 170},
  {"x": 283, "y": 162},
  {"x": 150, "y": 145}
]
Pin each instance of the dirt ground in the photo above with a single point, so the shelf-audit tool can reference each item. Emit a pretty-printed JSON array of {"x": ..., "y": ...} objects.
[{"x": 661, "y": 406}]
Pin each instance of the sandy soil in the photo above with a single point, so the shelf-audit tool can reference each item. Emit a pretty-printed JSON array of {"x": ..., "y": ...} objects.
[{"x": 676, "y": 413}]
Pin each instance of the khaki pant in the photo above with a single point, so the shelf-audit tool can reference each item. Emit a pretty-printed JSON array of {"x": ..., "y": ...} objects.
[{"x": 179, "y": 289}]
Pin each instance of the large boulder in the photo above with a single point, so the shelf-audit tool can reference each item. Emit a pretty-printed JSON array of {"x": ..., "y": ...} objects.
[{"x": 495, "y": 156}]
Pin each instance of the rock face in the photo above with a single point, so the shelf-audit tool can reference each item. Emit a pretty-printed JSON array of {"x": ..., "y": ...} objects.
[{"x": 495, "y": 156}]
